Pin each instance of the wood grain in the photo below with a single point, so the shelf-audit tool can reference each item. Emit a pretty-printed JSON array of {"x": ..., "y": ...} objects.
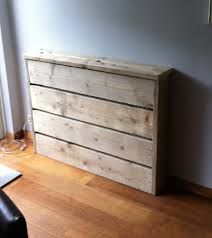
[
  {"x": 56, "y": 226},
  {"x": 36, "y": 232},
  {"x": 101, "y": 64},
  {"x": 113, "y": 107},
  {"x": 128, "y": 119},
  {"x": 57, "y": 204},
  {"x": 120, "y": 88},
  {"x": 159, "y": 171},
  {"x": 107, "y": 166},
  {"x": 114, "y": 143}
]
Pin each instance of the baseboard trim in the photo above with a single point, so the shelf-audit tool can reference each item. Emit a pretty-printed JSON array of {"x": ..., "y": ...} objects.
[
  {"x": 15, "y": 135},
  {"x": 180, "y": 184},
  {"x": 29, "y": 135},
  {"x": 20, "y": 135}
]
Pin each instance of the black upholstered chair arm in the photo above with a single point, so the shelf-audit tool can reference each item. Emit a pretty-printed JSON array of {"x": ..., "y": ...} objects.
[{"x": 12, "y": 221}]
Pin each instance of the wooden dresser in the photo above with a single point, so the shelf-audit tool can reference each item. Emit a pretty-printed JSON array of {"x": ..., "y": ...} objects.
[{"x": 107, "y": 117}]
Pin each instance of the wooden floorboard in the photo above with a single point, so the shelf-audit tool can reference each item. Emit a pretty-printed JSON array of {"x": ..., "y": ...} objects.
[{"x": 61, "y": 201}]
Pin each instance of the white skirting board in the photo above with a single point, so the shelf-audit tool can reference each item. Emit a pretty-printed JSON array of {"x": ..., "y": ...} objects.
[{"x": 7, "y": 175}]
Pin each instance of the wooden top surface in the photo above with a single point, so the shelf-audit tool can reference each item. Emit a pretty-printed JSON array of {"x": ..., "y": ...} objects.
[{"x": 153, "y": 72}]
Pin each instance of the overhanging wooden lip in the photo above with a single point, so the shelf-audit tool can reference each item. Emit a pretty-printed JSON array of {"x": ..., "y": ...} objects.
[{"x": 153, "y": 72}]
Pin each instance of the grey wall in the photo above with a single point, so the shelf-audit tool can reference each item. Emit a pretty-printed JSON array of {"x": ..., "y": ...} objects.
[
  {"x": 164, "y": 32},
  {"x": 8, "y": 73}
]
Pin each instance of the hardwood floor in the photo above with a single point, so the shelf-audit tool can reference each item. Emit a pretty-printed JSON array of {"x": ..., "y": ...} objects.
[{"x": 61, "y": 201}]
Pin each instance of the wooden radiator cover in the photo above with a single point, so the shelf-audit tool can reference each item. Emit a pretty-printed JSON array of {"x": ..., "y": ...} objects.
[{"x": 107, "y": 117}]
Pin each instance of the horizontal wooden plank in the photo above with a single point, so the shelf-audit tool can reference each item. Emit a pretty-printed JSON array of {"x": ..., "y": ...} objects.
[
  {"x": 102, "y": 64},
  {"x": 107, "y": 166},
  {"x": 125, "y": 89},
  {"x": 124, "y": 118},
  {"x": 115, "y": 143}
]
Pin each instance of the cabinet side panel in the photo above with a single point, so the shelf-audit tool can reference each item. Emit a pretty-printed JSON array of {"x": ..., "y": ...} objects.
[{"x": 160, "y": 135}]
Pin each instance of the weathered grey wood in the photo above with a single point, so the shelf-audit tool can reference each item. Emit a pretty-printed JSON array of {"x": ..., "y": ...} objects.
[
  {"x": 124, "y": 118},
  {"x": 116, "y": 169},
  {"x": 115, "y": 143},
  {"x": 125, "y": 89},
  {"x": 159, "y": 161},
  {"x": 95, "y": 100},
  {"x": 102, "y": 64}
]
